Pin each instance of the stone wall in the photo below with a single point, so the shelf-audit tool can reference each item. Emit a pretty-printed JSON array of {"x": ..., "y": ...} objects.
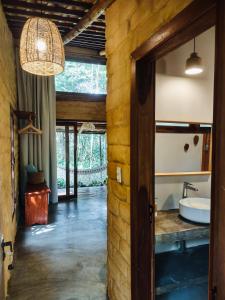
[
  {"x": 128, "y": 26},
  {"x": 7, "y": 100}
]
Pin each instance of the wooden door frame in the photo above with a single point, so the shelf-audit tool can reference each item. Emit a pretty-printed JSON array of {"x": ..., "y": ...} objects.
[
  {"x": 199, "y": 16},
  {"x": 67, "y": 125}
]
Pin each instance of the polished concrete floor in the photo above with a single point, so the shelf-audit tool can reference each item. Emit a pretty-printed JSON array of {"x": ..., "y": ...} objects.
[{"x": 66, "y": 259}]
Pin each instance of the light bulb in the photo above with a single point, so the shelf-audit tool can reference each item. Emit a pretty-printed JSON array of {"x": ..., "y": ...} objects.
[
  {"x": 41, "y": 45},
  {"x": 194, "y": 71}
]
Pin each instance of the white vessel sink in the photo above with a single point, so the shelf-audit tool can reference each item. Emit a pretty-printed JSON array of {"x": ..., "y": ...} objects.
[{"x": 195, "y": 209}]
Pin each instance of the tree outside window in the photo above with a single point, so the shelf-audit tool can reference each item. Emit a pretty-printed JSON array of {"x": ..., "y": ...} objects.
[{"x": 81, "y": 77}]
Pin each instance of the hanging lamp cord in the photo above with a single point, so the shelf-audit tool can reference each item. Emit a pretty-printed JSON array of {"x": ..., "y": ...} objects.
[
  {"x": 41, "y": 9},
  {"x": 194, "y": 44}
]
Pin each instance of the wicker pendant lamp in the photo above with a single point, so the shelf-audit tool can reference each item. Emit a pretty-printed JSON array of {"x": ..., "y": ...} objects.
[{"x": 41, "y": 48}]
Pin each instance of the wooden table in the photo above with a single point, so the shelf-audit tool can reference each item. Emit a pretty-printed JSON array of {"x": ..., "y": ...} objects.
[{"x": 36, "y": 204}]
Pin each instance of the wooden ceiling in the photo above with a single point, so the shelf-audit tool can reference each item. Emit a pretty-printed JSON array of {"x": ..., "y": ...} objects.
[{"x": 64, "y": 13}]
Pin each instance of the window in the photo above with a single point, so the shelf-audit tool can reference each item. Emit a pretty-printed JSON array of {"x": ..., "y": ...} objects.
[
  {"x": 81, "y": 77},
  {"x": 81, "y": 159},
  {"x": 66, "y": 160},
  {"x": 91, "y": 159}
]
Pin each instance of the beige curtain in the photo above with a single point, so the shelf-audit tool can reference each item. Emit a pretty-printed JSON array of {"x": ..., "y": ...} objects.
[{"x": 37, "y": 94}]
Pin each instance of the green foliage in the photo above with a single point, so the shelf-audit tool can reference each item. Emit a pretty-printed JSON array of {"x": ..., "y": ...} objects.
[
  {"x": 61, "y": 183},
  {"x": 91, "y": 153},
  {"x": 93, "y": 183},
  {"x": 82, "y": 78},
  {"x": 60, "y": 142}
]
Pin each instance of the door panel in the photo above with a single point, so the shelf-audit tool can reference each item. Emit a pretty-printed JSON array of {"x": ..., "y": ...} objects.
[
  {"x": 142, "y": 175},
  {"x": 217, "y": 290},
  {"x": 1, "y": 271},
  {"x": 66, "y": 137},
  {"x": 196, "y": 18}
]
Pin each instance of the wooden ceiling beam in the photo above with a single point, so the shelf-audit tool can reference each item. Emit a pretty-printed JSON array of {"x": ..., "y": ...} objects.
[
  {"x": 91, "y": 16},
  {"x": 89, "y": 47},
  {"x": 97, "y": 28},
  {"x": 54, "y": 18},
  {"x": 17, "y": 4},
  {"x": 62, "y": 13},
  {"x": 42, "y": 8},
  {"x": 66, "y": 96},
  {"x": 20, "y": 25},
  {"x": 91, "y": 38},
  {"x": 65, "y": 3},
  {"x": 21, "y": 19},
  {"x": 84, "y": 5},
  {"x": 84, "y": 54},
  {"x": 21, "y": 12},
  {"x": 86, "y": 45},
  {"x": 16, "y": 30},
  {"x": 17, "y": 33},
  {"x": 93, "y": 32},
  {"x": 94, "y": 43}
]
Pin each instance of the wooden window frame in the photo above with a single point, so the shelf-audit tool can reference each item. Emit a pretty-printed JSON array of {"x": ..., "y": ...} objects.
[
  {"x": 198, "y": 17},
  {"x": 73, "y": 124}
]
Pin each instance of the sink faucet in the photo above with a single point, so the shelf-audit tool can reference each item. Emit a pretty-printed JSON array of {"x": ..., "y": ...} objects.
[{"x": 188, "y": 186}]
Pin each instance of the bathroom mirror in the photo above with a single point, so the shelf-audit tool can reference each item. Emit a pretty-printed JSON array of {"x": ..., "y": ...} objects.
[{"x": 188, "y": 146}]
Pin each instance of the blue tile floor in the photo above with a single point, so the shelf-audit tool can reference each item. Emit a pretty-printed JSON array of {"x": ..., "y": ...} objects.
[{"x": 183, "y": 275}]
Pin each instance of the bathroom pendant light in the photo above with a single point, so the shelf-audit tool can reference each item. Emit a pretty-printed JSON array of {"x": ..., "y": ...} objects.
[
  {"x": 41, "y": 47},
  {"x": 194, "y": 64}
]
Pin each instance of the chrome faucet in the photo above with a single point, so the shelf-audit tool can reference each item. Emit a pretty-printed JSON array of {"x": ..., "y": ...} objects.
[{"x": 188, "y": 186}]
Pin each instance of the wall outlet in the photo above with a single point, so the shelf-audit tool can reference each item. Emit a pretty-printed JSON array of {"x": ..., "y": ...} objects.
[{"x": 119, "y": 174}]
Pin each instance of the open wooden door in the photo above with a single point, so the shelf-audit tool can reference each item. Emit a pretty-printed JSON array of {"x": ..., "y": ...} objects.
[
  {"x": 217, "y": 274},
  {"x": 142, "y": 176},
  {"x": 66, "y": 147},
  {"x": 1, "y": 270},
  {"x": 199, "y": 16}
]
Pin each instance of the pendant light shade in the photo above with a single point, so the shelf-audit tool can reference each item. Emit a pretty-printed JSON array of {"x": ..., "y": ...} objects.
[
  {"x": 41, "y": 48},
  {"x": 87, "y": 127},
  {"x": 194, "y": 64}
]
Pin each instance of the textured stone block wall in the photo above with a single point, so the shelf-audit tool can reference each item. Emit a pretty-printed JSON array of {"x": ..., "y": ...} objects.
[
  {"x": 129, "y": 24},
  {"x": 7, "y": 100}
]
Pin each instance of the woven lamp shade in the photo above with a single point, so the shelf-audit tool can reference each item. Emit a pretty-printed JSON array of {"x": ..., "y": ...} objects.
[{"x": 41, "y": 48}]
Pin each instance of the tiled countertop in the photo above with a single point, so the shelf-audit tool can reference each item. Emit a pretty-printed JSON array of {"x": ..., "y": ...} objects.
[{"x": 170, "y": 227}]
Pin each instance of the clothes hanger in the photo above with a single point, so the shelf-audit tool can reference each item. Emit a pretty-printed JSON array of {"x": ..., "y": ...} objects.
[{"x": 30, "y": 129}]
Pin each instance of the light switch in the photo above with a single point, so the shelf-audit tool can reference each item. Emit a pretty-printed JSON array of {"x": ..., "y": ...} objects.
[{"x": 119, "y": 174}]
